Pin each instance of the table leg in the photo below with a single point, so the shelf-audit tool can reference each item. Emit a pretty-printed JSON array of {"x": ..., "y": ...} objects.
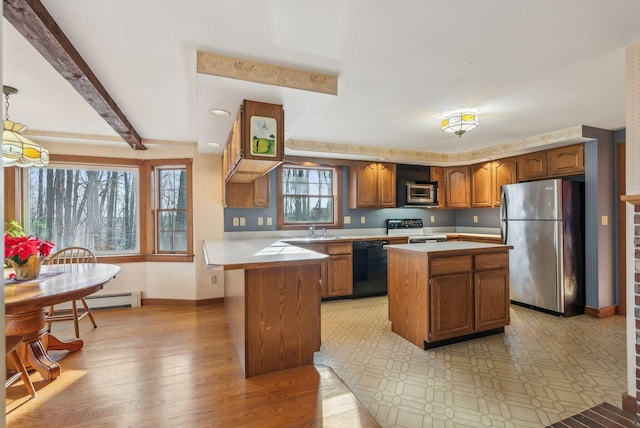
[{"x": 55, "y": 344}]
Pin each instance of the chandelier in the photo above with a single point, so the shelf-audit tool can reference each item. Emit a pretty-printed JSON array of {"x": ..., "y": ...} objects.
[
  {"x": 18, "y": 150},
  {"x": 459, "y": 123}
]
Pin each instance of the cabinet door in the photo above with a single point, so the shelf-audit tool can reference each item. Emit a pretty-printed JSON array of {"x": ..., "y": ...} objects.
[
  {"x": 458, "y": 187},
  {"x": 261, "y": 191},
  {"x": 437, "y": 174},
  {"x": 451, "y": 306},
  {"x": 340, "y": 276},
  {"x": 481, "y": 185},
  {"x": 567, "y": 160},
  {"x": 532, "y": 166},
  {"x": 503, "y": 171},
  {"x": 387, "y": 185},
  {"x": 365, "y": 186},
  {"x": 491, "y": 299}
]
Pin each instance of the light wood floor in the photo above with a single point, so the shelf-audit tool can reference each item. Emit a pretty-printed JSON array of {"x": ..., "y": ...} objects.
[{"x": 159, "y": 366}]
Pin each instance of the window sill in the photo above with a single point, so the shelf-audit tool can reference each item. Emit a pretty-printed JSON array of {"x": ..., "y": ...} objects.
[{"x": 137, "y": 258}]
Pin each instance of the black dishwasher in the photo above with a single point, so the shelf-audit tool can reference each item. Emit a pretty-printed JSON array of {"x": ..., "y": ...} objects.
[{"x": 369, "y": 268}]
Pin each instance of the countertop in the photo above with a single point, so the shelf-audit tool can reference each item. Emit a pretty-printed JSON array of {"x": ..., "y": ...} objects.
[
  {"x": 255, "y": 253},
  {"x": 448, "y": 247}
]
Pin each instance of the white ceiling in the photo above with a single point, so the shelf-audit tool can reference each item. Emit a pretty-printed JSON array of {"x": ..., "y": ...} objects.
[{"x": 529, "y": 67}]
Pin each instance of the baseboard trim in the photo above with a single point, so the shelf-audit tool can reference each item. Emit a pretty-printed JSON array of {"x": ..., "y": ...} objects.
[
  {"x": 629, "y": 404},
  {"x": 609, "y": 311},
  {"x": 182, "y": 302}
]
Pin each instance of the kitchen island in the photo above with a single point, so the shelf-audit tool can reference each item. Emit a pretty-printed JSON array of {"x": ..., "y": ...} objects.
[
  {"x": 272, "y": 301},
  {"x": 445, "y": 292}
]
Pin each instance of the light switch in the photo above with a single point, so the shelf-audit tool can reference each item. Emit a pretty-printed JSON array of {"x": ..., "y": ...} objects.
[
  {"x": 347, "y": 219},
  {"x": 605, "y": 220},
  {"x": 260, "y": 221},
  {"x": 242, "y": 221},
  {"x": 269, "y": 221},
  {"x": 236, "y": 221},
  {"x": 363, "y": 219}
]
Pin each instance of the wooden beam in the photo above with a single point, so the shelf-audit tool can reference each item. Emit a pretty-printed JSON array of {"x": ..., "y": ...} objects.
[{"x": 34, "y": 22}]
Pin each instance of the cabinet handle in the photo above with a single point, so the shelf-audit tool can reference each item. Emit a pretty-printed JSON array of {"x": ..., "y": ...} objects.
[{"x": 320, "y": 282}]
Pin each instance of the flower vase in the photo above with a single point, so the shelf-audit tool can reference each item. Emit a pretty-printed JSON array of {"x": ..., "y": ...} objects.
[{"x": 28, "y": 270}]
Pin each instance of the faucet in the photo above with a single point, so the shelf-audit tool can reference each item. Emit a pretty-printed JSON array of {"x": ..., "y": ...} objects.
[{"x": 312, "y": 231}]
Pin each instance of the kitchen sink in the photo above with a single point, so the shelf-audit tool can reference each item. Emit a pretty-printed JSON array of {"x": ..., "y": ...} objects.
[{"x": 313, "y": 238}]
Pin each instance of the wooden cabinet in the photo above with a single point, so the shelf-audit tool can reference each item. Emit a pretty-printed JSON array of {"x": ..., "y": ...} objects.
[
  {"x": 458, "y": 187},
  {"x": 439, "y": 297},
  {"x": 248, "y": 195},
  {"x": 565, "y": 161},
  {"x": 437, "y": 174},
  {"x": 503, "y": 171},
  {"x": 560, "y": 162},
  {"x": 337, "y": 276},
  {"x": 256, "y": 142},
  {"x": 532, "y": 166},
  {"x": 372, "y": 185},
  {"x": 481, "y": 194}
]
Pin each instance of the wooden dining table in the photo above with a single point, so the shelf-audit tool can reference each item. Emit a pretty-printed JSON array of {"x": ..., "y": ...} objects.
[{"x": 26, "y": 301}]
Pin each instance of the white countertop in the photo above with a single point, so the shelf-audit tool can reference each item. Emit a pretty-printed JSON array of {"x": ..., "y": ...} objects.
[
  {"x": 444, "y": 246},
  {"x": 247, "y": 253}
]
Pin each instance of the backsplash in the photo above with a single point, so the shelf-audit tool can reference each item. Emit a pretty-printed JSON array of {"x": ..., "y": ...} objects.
[{"x": 258, "y": 219}]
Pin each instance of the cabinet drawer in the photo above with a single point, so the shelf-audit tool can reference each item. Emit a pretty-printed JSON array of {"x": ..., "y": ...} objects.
[
  {"x": 339, "y": 248},
  {"x": 491, "y": 261},
  {"x": 447, "y": 265}
]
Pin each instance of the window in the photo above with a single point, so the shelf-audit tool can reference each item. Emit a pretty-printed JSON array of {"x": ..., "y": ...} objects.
[
  {"x": 121, "y": 209},
  {"x": 96, "y": 208},
  {"x": 309, "y": 196},
  {"x": 171, "y": 209}
]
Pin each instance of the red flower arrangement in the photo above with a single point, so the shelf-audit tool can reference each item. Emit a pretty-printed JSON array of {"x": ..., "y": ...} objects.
[{"x": 19, "y": 248}]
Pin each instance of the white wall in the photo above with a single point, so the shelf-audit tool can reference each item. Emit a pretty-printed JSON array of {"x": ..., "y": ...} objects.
[{"x": 164, "y": 280}]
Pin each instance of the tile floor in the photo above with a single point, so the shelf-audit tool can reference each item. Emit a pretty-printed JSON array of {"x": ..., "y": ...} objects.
[{"x": 543, "y": 369}]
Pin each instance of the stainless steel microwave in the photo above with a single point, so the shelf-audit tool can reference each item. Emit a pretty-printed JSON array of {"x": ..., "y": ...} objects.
[{"x": 422, "y": 193}]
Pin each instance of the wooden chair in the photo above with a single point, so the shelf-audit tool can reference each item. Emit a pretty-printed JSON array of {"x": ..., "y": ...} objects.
[
  {"x": 13, "y": 357},
  {"x": 67, "y": 256}
]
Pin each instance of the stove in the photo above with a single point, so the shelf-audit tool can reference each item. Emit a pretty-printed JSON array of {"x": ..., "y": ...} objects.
[{"x": 412, "y": 227}]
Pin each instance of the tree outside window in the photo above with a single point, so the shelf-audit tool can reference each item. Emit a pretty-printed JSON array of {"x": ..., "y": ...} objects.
[{"x": 171, "y": 211}]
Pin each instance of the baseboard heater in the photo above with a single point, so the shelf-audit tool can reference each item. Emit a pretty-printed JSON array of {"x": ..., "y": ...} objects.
[{"x": 101, "y": 301}]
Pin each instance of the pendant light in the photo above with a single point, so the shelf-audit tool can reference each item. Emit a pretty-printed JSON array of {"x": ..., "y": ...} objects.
[{"x": 18, "y": 150}]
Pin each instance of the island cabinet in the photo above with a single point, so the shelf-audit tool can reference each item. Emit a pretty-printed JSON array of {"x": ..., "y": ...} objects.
[
  {"x": 372, "y": 185},
  {"x": 337, "y": 274},
  {"x": 446, "y": 292}
]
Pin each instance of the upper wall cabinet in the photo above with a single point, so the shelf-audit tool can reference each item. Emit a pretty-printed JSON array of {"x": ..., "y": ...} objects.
[
  {"x": 256, "y": 142},
  {"x": 372, "y": 185},
  {"x": 568, "y": 160},
  {"x": 503, "y": 171},
  {"x": 481, "y": 185},
  {"x": 458, "y": 187},
  {"x": 437, "y": 175},
  {"x": 560, "y": 162}
]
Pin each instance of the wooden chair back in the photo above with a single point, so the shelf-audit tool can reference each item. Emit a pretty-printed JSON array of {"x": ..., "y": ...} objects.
[{"x": 71, "y": 255}]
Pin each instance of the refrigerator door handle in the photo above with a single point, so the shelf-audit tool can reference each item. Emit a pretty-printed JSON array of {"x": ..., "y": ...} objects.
[{"x": 504, "y": 226}]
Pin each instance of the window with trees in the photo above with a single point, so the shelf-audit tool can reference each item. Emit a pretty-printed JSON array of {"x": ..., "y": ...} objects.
[
  {"x": 309, "y": 195},
  {"x": 122, "y": 209}
]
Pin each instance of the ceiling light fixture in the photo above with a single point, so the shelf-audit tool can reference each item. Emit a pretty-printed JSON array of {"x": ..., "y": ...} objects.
[
  {"x": 18, "y": 150},
  {"x": 459, "y": 123},
  {"x": 218, "y": 112}
]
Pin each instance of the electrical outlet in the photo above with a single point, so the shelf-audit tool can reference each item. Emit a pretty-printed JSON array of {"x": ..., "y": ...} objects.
[
  {"x": 214, "y": 279},
  {"x": 605, "y": 220},
  {"x": 363, "y": 219},
  {"x": 243, "y": 221},
  {"x": 475, "y": 218},
  {"x": 347, "y": 219},
  {"x": 433, "y": 219},
  {"x": 269, "y": 221},
  {"x": 236, "y": 221},
  {"x": 260, "y": 221}
]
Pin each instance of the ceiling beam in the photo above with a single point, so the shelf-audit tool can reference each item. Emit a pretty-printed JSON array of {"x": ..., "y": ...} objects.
[{"x": 34, "y": 22}]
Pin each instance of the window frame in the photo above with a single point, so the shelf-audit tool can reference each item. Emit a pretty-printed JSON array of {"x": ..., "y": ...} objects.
[
  {"x": 157, "y": 210},
  {"x": 13, "y": 201},
  {"x": 337, "y": 194}
]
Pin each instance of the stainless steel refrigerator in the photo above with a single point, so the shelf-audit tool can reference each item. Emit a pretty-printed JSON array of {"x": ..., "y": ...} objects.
[{"x": 544, "y": 221}]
